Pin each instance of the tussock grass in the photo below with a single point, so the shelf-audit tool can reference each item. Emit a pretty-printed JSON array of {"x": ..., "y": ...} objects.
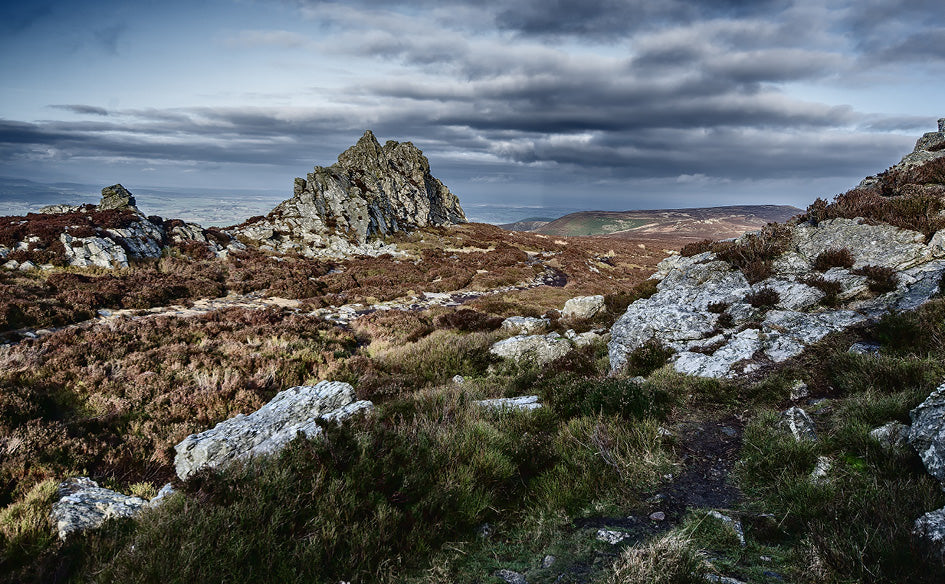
[{"x": 669, "y": 559}]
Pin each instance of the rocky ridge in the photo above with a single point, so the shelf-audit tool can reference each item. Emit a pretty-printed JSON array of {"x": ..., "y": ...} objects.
[
  {"x": 722, "y": 325},
  {"x": 372, "y": 191}
]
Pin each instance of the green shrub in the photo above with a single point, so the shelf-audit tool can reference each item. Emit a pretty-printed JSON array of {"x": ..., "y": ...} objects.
[{"x": 574, "y": 396}]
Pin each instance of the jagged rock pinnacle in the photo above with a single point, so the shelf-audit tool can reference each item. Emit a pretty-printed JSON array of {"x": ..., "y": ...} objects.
[{"x": 370, "y": 192}]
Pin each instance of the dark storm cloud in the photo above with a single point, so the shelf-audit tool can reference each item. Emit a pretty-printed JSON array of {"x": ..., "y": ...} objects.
[{"x": 82, "y": 109}]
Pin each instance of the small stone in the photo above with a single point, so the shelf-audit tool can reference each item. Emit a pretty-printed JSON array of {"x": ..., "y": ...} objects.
[
  {"x": 798, "y": 423},
  {"x": 716, "y": 579},
  {"x": 511, "y": 577},
  {"x": 610, "y": 536},
  {"x": 27, "y": 266},
  {"x": 11, "y": 265},
  {"x": 458, "y": 379},
  {"x": 485, "y": 531},
  {"x": 548, "y": 561},
  {"x": 799, "y": 391},
  {"x": 657, "y": 516},
  {"x": 821, "y": 473},
  {"x": 84, "y": 505},
  {"x": 729, "y": 431}
]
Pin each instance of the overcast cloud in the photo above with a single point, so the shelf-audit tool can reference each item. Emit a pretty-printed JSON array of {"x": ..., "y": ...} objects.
[{"x": 628, "y": 104}]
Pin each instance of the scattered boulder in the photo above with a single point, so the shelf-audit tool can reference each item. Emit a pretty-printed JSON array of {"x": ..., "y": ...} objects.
[
  {"x": 297, "y": 410},
  {"x": 892, "y": 435},
  {"x": 930, "y": 531},
  {"x": 862, "y": 348},
  {"x": 539, "y": 349},
  {"x": 522, "y": 403},
  {"x": 85, "y": 505},
  {"x": 99, "y": 252},
  {"x": 798, "y": 423},
  {"x": 584, "y": 339},
  {"x": 583, "y": 307},
  {"x": 525, "y": 325},
  {"x": 927, "y": 434},
  {"x": 372, "y": 191}
]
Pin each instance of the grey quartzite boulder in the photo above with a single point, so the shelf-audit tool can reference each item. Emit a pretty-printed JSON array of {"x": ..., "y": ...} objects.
[
  {"x": 927, "y": 434},
  {"x": 525, "y": 402},
  {"x": 297, "y": 410},
  {"x": 539, "y": 349},
  {"x": 798, "y": 424},
  {"x": 85, "y": 505},
  {"x": 370, "y": 192},
  {"x": 525, "y": 325},
  {"x": 583, "y": 307}
]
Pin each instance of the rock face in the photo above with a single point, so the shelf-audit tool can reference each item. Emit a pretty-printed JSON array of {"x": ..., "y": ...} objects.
[
  {"x": 296, "y": 410},
  {"x": 117, "y": 197},
  {"x": 927, "y": 434},
  {"x": 371, "y": 191}
]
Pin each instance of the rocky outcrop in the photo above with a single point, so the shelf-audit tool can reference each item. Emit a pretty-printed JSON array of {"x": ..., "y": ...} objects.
[
  {"x": 301, "y": 410},
  {"x": 722, "y": 325},
  {"x": 117, "y": 197},
  {"x": 370, "y": 192},
  {"x": 930, "y": 530},
  {"x": 85, "y": 505}
]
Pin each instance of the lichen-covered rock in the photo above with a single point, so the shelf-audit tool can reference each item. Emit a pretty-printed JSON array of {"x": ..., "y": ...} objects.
[
  {"x": 538, "y": 349},
  {"x": 930, "y": 531},
  {"x": 525, "y": 325},
  {"x": 525, "y": 402},
  {"x": 582, "y": 307},
  {"x": 798, "y": 423},
  {"x": 876, "y": 245},
  {"x": 371, "y": 191},
  {"x": 84, "y": 505},
  {"x": 927, "y": 434},
  {"x": 297, "y": 410},
  {"x": 584, "y": 339}
]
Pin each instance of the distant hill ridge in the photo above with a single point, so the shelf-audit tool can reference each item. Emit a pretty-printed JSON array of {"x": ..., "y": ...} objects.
[{"x": 696, "y": 223}]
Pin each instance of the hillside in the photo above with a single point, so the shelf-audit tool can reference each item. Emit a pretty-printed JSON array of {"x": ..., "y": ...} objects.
[
  {"x": 472, "y": 405},
  {"x": 659, "y": 224}
]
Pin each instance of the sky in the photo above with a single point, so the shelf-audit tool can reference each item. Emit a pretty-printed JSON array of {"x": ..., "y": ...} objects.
[{"x": 585, "y": 104}]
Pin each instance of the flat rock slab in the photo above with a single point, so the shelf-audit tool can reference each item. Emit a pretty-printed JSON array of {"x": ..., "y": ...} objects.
[
  {"x": 297, "y": 410},
  {"x": 525, "y": 402},
  {"x": 85, "y": 505}
]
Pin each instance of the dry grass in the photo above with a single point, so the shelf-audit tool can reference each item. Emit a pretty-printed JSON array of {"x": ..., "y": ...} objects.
[{"x": 669, "y": 559}]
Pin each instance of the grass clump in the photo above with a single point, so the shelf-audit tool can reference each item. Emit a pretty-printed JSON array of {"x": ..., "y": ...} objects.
[{"x": 669, "y": 559}]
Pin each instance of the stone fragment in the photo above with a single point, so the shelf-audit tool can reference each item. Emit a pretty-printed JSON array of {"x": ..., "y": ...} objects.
[
  {"x": 583, "y": 339},
  {"x": 525, "y": 403},
  {"x": 548, "y": 561},
  {"x": 511, "y": 577},
  {"x": 27, "y": 266},
  {"x": 862, "y": 348},
  {"x": 525, "y": 325},
  {"x": 610, "y": 536},
  {"x": 539, "y": 349},
  {"x": 294, "y": 411},
  {"x": 799, "y": 390},
  {"x": 583, "y": 307},
  {"x": 716, "y": 579},
  {"x": 459, "y": 379},
  {"x": 798, "y": 423},
  {"x": 891, "y": 435},
  {"x": 821, "y": 473},
  {"x": 930, "y": 531},
  {"x": 11, "y": 264},
  {"x": 84, "y": 505},
  {"x": 927, "y": 434},
  {"x": 657, "y": 516}
]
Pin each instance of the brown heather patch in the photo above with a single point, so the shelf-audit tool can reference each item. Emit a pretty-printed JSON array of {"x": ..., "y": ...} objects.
[
  {"x": 112, "y": 401},
  {"x": 834, "y": 258},
  {"x": 911, "y": 199}
]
